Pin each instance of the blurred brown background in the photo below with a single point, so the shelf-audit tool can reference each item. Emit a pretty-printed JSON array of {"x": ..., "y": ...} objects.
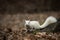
[{"x": 28, "y": 6}]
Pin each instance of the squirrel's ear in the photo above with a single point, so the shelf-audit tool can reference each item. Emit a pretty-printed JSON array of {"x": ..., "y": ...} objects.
[{"x": 27, "y": 20}]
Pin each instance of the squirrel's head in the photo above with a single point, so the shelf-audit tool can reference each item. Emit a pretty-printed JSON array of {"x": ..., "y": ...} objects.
[
  {"x": 27, "y": 25},
  {"x": 27, "y": 22}
]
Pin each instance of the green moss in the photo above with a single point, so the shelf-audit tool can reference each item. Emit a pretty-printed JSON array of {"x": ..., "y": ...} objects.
[{"x": 37, "y": 30}]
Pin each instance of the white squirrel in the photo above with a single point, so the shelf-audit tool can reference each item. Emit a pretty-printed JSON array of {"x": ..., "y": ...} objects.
[{"x": 36, "y": 24}]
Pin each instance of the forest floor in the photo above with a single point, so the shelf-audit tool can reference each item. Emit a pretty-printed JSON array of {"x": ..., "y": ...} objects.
[{"x": 12, "y": 27}]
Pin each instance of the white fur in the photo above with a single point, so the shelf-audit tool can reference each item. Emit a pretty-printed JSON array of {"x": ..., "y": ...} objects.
[
  {"x": 48, "y": 21},
  {"x": 36, "y": 24},
  {"x": 33, "y": 24}
]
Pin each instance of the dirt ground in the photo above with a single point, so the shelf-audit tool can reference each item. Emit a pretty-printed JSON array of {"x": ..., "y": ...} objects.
[{"x": 12, "y": 27}]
